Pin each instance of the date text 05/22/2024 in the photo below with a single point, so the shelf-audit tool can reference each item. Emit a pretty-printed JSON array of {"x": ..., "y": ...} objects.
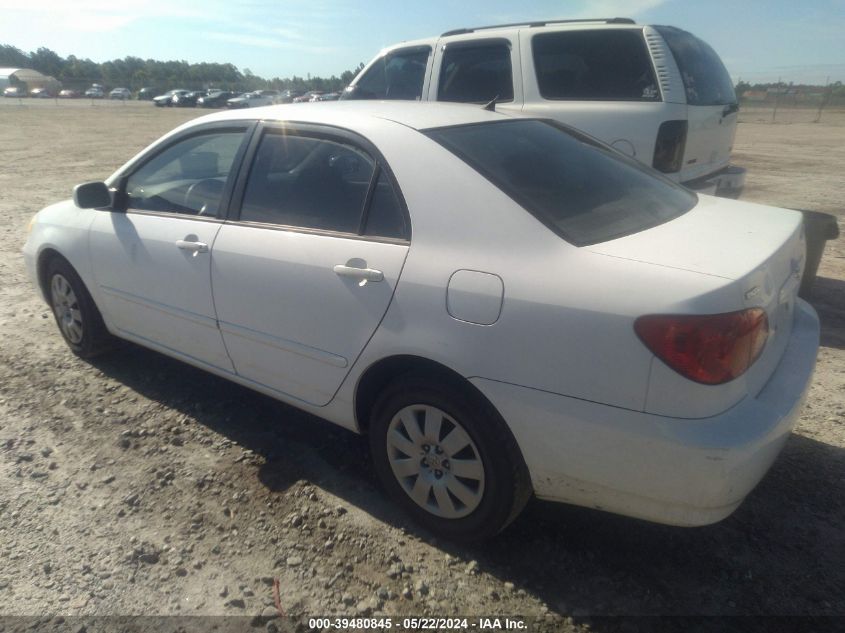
[{"x": 419, "y": 624}]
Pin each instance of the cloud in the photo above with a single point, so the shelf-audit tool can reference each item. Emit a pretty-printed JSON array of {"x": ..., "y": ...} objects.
[
  {"x": 97, "y": 15},
  {"x": 616, "y": 8},
  {"x": 266, "y": 41}
]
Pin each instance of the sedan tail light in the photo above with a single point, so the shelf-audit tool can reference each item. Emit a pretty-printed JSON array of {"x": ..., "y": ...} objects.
[{"x": 710, "y": 349}]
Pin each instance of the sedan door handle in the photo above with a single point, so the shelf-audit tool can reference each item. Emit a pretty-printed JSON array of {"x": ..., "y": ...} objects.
[
  {"x": 363, "y": 274},
  {"x": 194, "y": 247}
]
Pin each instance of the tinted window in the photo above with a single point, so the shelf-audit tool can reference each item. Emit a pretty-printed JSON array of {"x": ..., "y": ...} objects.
[
  {"x": 307, "y": 182},
  {"x": 582, "y": 190},
  {"x": 706, "y": 80},
  {"x": 398, "y": 75},
  {"x": 594, "y": 65},
  {"x": 188, "y": 177},
  {"x": 476, "y": 73},
  {"x": 385, "y": 217}
]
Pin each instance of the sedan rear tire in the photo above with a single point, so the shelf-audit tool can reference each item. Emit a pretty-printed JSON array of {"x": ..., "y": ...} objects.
[{"x": 447, "y": 458}]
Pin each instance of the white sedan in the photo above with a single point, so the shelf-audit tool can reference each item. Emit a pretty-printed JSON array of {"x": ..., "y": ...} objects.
[{"x": 505, "y": 305}]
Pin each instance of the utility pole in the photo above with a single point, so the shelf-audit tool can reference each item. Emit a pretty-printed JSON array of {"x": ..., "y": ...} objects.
[
  {"x": 777, "y": 99},
  {"x": 824, "y": 100}
]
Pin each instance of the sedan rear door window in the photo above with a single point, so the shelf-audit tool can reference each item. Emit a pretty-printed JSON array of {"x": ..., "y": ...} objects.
[
  {"x": 307, "y": 182},
  {"x": 581, "y": 189}
]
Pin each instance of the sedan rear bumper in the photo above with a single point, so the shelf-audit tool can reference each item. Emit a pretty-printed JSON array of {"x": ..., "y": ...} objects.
[{"x": 670, "y": 470}]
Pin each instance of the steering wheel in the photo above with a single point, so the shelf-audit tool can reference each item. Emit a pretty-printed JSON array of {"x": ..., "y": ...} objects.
[{"x": 203, "y": 196}]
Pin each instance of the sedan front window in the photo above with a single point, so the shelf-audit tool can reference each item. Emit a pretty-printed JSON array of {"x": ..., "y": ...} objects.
[{"x": 187, "y": 177}]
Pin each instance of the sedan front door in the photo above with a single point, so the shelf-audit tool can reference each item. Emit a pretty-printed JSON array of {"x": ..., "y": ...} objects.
[{"x": 152, "y": 259}]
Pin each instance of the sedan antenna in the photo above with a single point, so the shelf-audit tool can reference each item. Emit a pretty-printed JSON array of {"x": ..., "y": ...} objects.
[{"x": 491, "y": 106}]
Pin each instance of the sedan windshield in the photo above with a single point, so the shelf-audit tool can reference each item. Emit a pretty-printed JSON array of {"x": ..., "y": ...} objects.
[{"x": 581, "y": 189}]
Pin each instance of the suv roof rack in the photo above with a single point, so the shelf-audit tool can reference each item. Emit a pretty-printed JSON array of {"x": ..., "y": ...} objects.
[{"x": 537, "y": 24}]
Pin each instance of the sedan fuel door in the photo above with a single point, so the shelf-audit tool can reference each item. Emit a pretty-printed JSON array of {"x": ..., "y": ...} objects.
[
  {"x": 151, "y": 255},
  {"x": 303, "y": 276}
]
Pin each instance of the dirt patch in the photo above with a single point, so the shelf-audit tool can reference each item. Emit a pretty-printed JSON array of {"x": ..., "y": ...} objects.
[{"x": 139, "y": 485}]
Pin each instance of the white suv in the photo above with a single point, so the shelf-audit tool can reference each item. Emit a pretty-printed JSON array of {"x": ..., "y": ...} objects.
[{"x": 657, "y": 93}]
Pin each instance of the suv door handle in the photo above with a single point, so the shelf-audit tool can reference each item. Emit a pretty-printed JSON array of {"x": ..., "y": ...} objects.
[
  {"x": 194, "y": 247},
  {"x": 363, "y": 274}
]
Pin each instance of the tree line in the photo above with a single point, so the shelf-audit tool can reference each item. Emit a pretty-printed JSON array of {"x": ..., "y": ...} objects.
[
  {"x": 136, "y": 73},
  {"x": 835, "y": 89}
]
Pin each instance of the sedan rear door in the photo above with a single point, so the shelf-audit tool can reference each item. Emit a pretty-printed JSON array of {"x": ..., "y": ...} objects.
[{"x": 304, "y": 274}]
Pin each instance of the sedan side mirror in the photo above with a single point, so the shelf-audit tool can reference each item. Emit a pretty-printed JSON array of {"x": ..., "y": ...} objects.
[{"x": 91, "y": 195}]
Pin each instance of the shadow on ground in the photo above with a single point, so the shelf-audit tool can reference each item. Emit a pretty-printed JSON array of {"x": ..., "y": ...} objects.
[
  {"x": 828, "y": 298},
  {"x": 782, "y": 552}
]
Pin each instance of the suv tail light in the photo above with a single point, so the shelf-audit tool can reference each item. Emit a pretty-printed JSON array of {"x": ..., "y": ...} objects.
[
  {"x": 710, "y": 349},
  {"x": 669, "y": 149}
]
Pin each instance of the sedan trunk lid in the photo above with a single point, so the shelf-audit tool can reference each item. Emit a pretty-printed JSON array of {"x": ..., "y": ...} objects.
[{"x": 759, "y": 251}]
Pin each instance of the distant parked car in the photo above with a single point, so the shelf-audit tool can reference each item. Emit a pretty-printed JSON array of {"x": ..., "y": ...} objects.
[
  {"x": 216, "y": 99},
  {"x": 187, "y": 100},
  {"x": 329, "y": 96},
  {"x": 147, "y": 94},
  {"x": 41, "y": 93},
  {"x": 15, "y": 91},
  {"x": 95, "y": 93},
  {"x": 67, "y": 93},
  {"x": 308, "y": 96},
  {"x": 120, "y": 93},
  {"x": 167, "y": 98},
  {"x": 288, "y": 96},
  {"x": 253, "y": 99}
]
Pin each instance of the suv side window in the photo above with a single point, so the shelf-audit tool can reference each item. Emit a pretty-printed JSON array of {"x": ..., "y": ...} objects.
[
  {"x": 706, "y": 80},
  {"x": 476, "y": 73},
  {"x": 186, "y": 177},
  {"x": 398, "y": 75},
  {"x": 307, "y": 182},
  {"x": 594, "y": 66}
]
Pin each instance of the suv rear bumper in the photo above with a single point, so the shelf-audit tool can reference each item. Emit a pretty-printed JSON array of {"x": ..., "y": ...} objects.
[{"x": 728, "y": 182}]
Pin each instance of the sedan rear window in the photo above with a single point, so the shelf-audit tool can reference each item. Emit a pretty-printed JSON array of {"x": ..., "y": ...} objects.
[{"x": 581, "y": 189}]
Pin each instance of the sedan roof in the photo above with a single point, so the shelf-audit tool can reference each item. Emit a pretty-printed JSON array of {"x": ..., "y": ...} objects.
[{"x": 413, "y": 114}]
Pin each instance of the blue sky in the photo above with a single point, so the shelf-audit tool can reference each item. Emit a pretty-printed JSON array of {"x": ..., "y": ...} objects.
[{"x": 759, "y": 40}]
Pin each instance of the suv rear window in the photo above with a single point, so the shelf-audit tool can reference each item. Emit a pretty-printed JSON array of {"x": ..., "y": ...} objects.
[
  {"x": 706, "y": 80},
  {"x": 594, "y": 65},
  {"x": 582, "y": 190}
]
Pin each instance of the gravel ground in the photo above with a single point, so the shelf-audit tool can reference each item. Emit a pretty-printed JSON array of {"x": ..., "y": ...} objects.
[{"x": 138, "y": 485}]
